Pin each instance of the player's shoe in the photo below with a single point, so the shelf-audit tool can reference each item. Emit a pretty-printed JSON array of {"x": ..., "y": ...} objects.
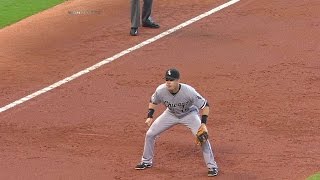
[
  {"x": 134, "y": 31},
  {"x": 212, "y": 172},
  {"x": 143, "y": 165}
]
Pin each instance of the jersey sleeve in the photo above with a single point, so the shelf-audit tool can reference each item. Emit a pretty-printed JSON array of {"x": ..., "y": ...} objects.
[
  {"x": 197, "y": 99},
  {"x": 155, "y": 99}
]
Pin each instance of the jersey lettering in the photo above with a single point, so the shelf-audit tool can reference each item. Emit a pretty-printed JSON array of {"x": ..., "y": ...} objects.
[{"x": 182, "y": 103}]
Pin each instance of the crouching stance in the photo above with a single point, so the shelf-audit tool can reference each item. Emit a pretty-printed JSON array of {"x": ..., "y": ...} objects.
[{"x": 183, "y": 104}]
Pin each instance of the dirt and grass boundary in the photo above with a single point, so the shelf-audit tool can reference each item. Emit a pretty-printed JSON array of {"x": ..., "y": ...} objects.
[{"x": 12, "y": 11}]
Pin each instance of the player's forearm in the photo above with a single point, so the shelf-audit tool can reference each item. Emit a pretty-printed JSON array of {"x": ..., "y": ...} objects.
[
  {"x": 205, "y": 111},
  {"x": 151, "y": 110},
  {"x": 152, "y": 106},
  {"x": 205, "y": 114}
]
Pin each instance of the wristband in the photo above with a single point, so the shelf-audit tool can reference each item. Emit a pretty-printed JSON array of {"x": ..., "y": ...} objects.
[
  {"x": 204, "y": 119},
  {"x": 150, "y": 113}
]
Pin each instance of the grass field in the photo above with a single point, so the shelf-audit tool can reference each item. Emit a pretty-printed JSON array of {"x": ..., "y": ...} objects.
[
  {"x": 314, "y": 177},
  {"x": 12, "y": 11}
]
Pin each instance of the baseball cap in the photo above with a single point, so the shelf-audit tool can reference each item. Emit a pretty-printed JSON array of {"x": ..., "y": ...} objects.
[{"x": 172, "y": 74}]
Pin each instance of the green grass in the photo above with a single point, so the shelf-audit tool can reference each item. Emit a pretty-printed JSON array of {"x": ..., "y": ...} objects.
[
  {"x": 12, "y": 11},
  {"x": 314, "y": 177}
]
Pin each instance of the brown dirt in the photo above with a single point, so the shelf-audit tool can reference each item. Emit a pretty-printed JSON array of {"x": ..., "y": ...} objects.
[{"x": 257, "y": 63}]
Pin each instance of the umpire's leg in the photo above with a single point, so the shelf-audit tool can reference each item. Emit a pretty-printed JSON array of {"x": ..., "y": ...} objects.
[
  {"x": 146, "y": 10},
  {"x": 135, "y": 13}
]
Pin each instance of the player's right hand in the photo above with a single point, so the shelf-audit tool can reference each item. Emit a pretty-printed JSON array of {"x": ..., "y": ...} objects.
[{"x": 149, "y": 121}]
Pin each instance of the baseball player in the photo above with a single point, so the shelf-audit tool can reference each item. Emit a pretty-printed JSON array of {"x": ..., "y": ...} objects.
[
  {"x": 146, "y": 16},
  {"x": 183, "y": 103}
]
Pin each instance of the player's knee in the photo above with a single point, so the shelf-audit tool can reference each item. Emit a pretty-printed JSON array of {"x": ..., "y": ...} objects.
[{"x": 150, "y": 134}]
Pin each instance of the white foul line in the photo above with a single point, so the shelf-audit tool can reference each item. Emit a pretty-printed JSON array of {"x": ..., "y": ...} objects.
[{"x": 110, "y": 59}]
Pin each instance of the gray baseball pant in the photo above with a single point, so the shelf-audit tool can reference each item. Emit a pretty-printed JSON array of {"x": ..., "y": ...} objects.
[{"x": 167, "y": 120}]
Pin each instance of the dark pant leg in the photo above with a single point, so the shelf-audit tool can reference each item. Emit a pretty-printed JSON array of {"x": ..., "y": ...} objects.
[
  {"x": 135, "y": 13},
  {"x": 146, "y": 10}
]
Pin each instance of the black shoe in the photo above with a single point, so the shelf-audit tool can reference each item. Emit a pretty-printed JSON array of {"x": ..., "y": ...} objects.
[
  {"x": 213, "y": 172},
  {"x": 143, "y": 165},
  {"x": 150, "y": 24},
  {"x": 134, "y": 31}
]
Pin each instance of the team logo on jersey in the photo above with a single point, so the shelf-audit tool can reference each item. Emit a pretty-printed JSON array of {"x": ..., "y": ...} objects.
[{"x": 183, "y": 104}]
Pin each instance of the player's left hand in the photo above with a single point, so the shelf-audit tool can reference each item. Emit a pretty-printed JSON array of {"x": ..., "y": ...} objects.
[{"x": 149, "y": 121}]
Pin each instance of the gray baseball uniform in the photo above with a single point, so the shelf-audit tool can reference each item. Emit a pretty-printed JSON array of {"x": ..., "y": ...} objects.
[
  {"x": 182, "y": 108},
  {"x": 135, "y": 12}
]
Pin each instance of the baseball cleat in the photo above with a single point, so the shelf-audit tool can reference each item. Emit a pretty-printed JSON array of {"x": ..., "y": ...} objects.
[
  {"x": 213, "y": 172},
  {"x": 143, "y": 165}
]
